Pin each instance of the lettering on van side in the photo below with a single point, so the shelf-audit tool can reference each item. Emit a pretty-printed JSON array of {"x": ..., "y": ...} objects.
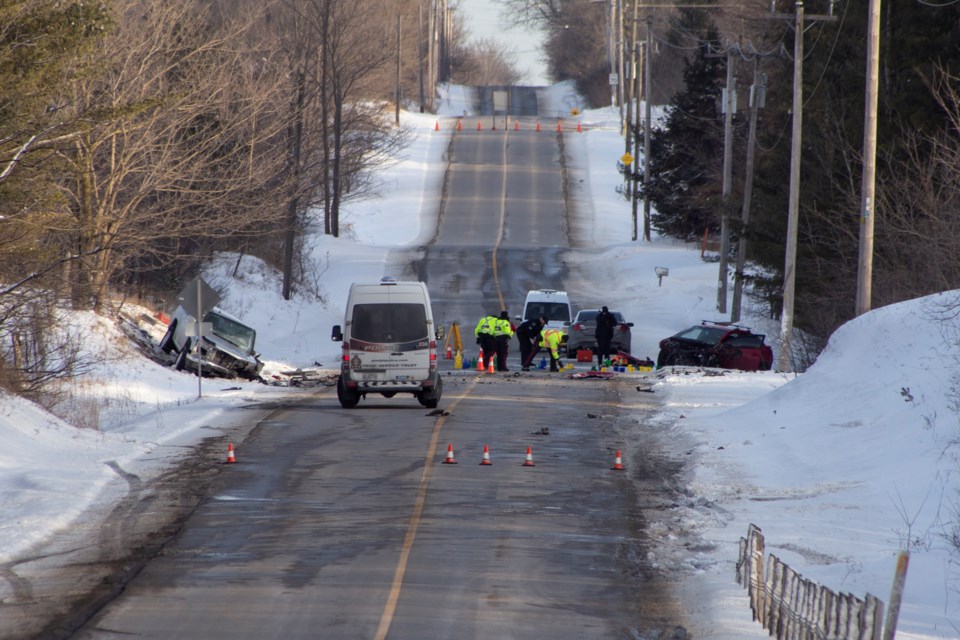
[{"x": 413, "y": 345}]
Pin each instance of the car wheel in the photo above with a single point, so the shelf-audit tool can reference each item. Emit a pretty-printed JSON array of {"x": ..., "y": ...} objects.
[
  {"x": 349, "y": 398},
  {"x": 675, "y": 359},
  {"x": 166, "y": 343},
  {"x": 181, "y": 362}
]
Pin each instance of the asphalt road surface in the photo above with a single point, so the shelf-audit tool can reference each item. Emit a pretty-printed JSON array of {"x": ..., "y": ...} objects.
[{"x": 340, "y": 523}]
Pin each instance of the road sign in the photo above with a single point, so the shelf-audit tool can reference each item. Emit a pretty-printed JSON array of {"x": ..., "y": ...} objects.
[
  {"x": 626, "y": 159},
  {"x": 197, "y": 298}
]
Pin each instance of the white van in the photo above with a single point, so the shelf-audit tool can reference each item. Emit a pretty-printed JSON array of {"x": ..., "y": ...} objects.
[
  {"x": 552, "y": 304},
  {"x": 389, "y": 343}
]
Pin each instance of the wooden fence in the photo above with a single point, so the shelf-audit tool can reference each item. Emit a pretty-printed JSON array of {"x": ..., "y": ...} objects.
[{"x": 793, "y": 608}]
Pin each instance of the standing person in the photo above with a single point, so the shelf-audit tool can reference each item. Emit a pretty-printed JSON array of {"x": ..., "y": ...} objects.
[
  {"x": 528, "y": 335},
  {"x": 502, "y": 333},
  {"x": 550, "y": 339},
  {"x": 604, "y": 334},
  {"x": 484, "y": 333}
]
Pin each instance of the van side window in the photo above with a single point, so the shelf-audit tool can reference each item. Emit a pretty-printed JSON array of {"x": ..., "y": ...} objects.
[{"x": 389, "y": 323}]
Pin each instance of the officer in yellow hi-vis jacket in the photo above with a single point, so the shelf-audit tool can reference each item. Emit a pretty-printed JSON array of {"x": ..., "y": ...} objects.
[
  {"x": 551, "y": 339},
  {"x": 485, "y": 335},
  {"x": 502, "y": 333}
]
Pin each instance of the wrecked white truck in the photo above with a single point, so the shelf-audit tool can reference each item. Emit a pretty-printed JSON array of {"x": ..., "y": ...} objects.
[{"x": 226, "y": 347}]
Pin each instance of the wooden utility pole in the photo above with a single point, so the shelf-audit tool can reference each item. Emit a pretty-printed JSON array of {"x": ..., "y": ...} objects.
[
  {"x": 399, "y": 90},
  {"x": 784, "y": 358},
  {"x": 756, "y": 102},
  {"x": 790, "y": 262},
  {"x": 420, "y": 53},
  {"x": 647, "y": 85},
  {"x": 729, "y": 105},
  {"x": 868, "y": 202}
]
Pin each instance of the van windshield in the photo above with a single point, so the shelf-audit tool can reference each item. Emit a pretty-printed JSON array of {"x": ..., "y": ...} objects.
[
  {"x": 232, "y": 331},
  {"x": 389, "y": 322},
  {"x": 555, "y": 311}
]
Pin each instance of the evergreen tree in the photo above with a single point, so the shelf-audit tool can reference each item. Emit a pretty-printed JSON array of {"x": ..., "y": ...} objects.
[{"x": 686, "y": 152}]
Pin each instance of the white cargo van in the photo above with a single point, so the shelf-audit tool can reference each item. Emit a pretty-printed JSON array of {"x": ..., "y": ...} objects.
[
  {"x": 389, "y": 343},
  {"x": 552, "y": 304}
]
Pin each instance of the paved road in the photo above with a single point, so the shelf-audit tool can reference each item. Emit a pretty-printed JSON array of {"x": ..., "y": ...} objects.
[{"x": 350, "y": 524}]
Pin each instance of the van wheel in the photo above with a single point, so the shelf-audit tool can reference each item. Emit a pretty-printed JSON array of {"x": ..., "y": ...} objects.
[
  {"x": 182, "y": 356},
  {"x": 166, "y": 343},
  {"x": 430, "y": 399},
  {"x": 348, "y": 398}
]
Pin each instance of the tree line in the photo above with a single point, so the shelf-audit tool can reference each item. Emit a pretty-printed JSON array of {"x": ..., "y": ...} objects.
[
  {"x": 917, "y": 208},
  {"x": 139, "y": 138}
]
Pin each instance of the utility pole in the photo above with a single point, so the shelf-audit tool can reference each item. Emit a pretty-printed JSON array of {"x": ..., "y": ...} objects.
[
  {"x": 757, "y": 91},
  {"x": 397, "y": 79},
  {"x": 867, "y": 204},
  {"x": 790, "y": 262},
  {"x": 420, "y": 53},
  {"x": 729, "y": 106},
  {"x": 638, "y": 53},
  {"x": 647, "y": 85}
]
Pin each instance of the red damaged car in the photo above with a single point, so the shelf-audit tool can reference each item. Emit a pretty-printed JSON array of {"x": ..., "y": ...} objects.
[{"x": 716, "y": 344}]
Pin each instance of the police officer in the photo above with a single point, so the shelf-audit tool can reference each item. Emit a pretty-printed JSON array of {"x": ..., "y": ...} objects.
[
  {"x": 502, "y": 333},
  {"x": 606, "y": 324},
  {"x": 485, "y": 332},
  {"x": 528, "y": 335},
  {"x": 551, "y": 339}
]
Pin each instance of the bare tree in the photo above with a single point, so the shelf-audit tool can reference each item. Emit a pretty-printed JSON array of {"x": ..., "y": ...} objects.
[
  {"x": 485, "y": 62},
  {"x": 179, "y": 145}
]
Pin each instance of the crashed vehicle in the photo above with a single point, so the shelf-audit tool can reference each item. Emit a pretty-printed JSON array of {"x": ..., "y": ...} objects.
[
  {"x": 716, "y": 344},
  {"x": 227, "y": 350}
]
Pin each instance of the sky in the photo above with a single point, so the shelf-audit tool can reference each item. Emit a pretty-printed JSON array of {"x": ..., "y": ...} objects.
[
  {"x": 841, "y": 466},
  {"x": 485, "y": 19}
]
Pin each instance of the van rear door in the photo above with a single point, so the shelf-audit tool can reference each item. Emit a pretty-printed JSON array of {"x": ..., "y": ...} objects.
[{"x": 389, "y": 336}]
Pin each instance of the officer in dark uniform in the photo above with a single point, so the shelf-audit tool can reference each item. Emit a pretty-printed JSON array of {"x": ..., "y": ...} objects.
[{"x": 528, "y": 334}]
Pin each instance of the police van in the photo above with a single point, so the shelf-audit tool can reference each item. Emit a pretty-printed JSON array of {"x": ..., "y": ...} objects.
[
  {"x": 551, "y": 304},
  {"x": 389, "y": 343}
]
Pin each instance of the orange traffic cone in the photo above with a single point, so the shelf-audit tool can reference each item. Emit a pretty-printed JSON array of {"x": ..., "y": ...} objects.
[
  {"x": 516, "y": 125},
  {"x": 559, "y": 127},
  {"x": 449, "y": 459},
  {"x": 449, "y": 354},
  {"x": 485, "y": 460},
  {"x": 490, "y": 368},
  {"x": 230, "y": 457},
  {"x": 436, "y": 127},
  {"x": 538, "y": 125},
  {"x": 579, "y": 129},
  {"x": 480, "y": 366},
  {"x": 479, "y": 126},
  {"x": 459, "y": 125},
  {"x": 617, "y": 462},
  {"x": 528, "y": 462}
]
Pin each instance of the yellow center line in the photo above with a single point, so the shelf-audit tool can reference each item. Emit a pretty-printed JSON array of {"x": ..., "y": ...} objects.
[
  {"x": 390, "y": 608},
  {"x": 503, "y": 217}
]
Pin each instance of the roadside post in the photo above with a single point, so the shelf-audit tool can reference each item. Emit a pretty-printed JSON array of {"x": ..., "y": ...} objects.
[{"x": 197, "y": 299}]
